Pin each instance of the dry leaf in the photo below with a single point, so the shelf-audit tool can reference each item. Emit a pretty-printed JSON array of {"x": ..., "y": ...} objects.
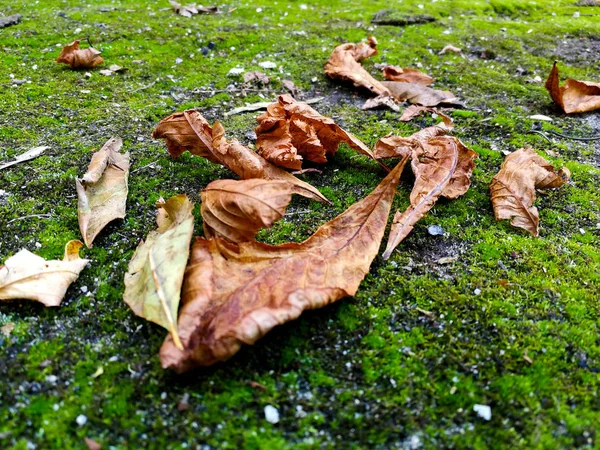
[
  {"x": 391, "y": 146},
  {"x": 234, "y": 294},
  {"x": 450, "y": 48},
  {"x": 394, "y": 73},
  {"x": 27, "y": 156},
  {"x": 192, "y": 9},
  {"x": 155, "y": 275},
  {"x": 344, "y": 64},
  {"x": 291, "y": 88},
  {"x": 414, "y": 110},
  {"x": 92, "y": 444},
  {"x": 263, "y": 105},
  {"x": 79, "y": 58},
  {"x": 102, "y": 192},
  {"x": 237, "y": 210},
  {"x": 189, "y": 131},
  {"x": 513, "y": 188},
  {"x": 575, "y": 96},
  {"x": 28, "y": 276},
  {"x": 442, "y": 167},
  {"x": 257, "y": 77},
  {"x": 291, "y": 131},
  {"x": 386, "y": 101},
  {"x": 419, "y": 94}
]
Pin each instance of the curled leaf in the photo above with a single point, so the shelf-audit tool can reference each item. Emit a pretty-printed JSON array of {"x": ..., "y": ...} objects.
[
  {"x": 233, "y": 294},
  {"x": 413, "y": 111},
  {"x": 575, "y": 96},
  {"x": 237, "y": 210},
  {"x": 344, "y": 63},
  {"x": 419, "y": 94},
  {"x": 290, "y": 131},
  {"x": 513, "y": 188},
  {"x": 79, "y": 58},
  {"x": 407, "y": 75},
  {"x": 102, "y": 192},
  {"x": 442, "y": 167},
  {"x": 386, "y": 101},
  {"x": 189, "y": 131},
  {"x": 391, "y": 146},
  {"x": 155, "y": 275},
  {"x": 28, "y": 276}
]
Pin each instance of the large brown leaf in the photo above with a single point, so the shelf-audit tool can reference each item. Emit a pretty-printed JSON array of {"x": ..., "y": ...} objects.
[
  {"x": 391, "y": 146},
  {"x": 28, "y": 276},
  {"x": 290, "y": 131},
  {"x": 234, "y": 294},
  {"x": 155, "y": 275},
  {"x": 344, "y": 64},
  {"x": 237, "y": 210},
  {"x": 442, "y": 168},
  {"x": 419, "y": 94},
  {"x": 79, "y": 58},
  {"x": 189, "y": 131},
  {"x": 575, "y": 96},
  {"x": 513, "y": 188},
  {"x": 102, "y": 192},
  {"x": 406, "y": 75}
]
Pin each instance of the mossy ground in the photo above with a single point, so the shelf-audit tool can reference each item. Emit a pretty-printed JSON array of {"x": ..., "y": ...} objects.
[{"x": 398, "y": 366}]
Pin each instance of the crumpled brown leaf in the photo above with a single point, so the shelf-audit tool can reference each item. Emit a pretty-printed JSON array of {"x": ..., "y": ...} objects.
[
  {"x": 237, "y": 210},
  {"x": 406, "y": 75},
  {"x": 344, "y": 64},
  {"x": 442, "y": 167},
  {"x": 386, "y": 101},
  {"x": 79, "y": 58},
  {"x": 256, "y": 77},
  {"x": 234, "y": 294},
  {"x": 414, "y": 110},
  {"x": 419, "y": 94},
  {"x": 102, "y": 192},
  {"x": 189, "y": 131},
  {"x": 513, "y": 188},
  {"x": 155, "y": 274},
  {"x": 192, "y": 9},
  {"x": 290, "y": 131},
  {"x": 575, "y": 96},
  {"x": 391, "y": 146},
  {"x": 28, "y": 276}
]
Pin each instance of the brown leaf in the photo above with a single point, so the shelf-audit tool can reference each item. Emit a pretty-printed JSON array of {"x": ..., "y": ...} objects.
[
  {"x": 575, "y": 96},
  {"x": 407, "y": 75},
  {"x": 413, "y": 111},
  {"x": 419, "y": 94},
  {"x": 28, "y": 276},
  {"x": 291, "y": 88},
  {"x": 290, "y": 131},
  {"x": 386, "y": 101},
  {"x": 256, "y": 77},
  {"x": 513, "y": 188},
  {"x": 237, "y": 210},
  {"x": 79, "y": 58},
  {"x": 234, "y": 294},
  {"x": 344, "y": 64},
  {"x": 442, "y": 167},
  {"x": 392, "y": 146},
  {"x": 189, "y": 131},
  {"x": 92, "y": 444},
  {"x": 192, "y": 9},
  {"x": 102, "y": 192}
]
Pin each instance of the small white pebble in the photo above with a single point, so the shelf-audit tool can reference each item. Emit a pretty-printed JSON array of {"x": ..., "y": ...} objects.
[
  {"x": 267, "y": 65},
  {"x": 38, "y": 245},
  {"x": 178, "y": 60},
  {"x": 236, "y": 71},
  {"x": 477, "y": 291},
  {"x": 81, "y": 420},
  {"x": 271, "y": 414},
  {"x": 314, "y": 79},
  {"x": 258, "y": 10},
  {"x": 77, "y": 30},
  {"x": 56, "y": 407},
  {"x": 303, "y": 6},
  {"x": 52, "y": 379},
  {"x": 483, "y": 411},
  {"x": 582, "y": 231}
]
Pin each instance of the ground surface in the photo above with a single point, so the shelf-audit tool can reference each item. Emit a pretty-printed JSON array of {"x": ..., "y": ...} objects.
[{"x": 400, "y": 365}]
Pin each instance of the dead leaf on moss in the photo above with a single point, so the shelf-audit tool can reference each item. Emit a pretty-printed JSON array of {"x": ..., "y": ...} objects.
[
  {"x": 102, "y": 192},
  {"x": 291, "y": 88},
  {"x": 234, "y": 294},
  {"x": 442, "y": 168},
  {"x": 189, "y": 131},
  {"x": 414, "y": 110},
  {"x": 344, "y": 63},
  {"x": 31, "y": 277},
  {"x": 513, "y": 188},
  {"x": 575, "y": 96},
  {"x": 407, "y": 75},
  {"x": 237, "y": 210},
  {"x": 23, "y": 157},
  {"x": 291, "y": 131},
  {"x": 391, "y": 146},
  {"x": 419, "y": 94},
  {"x": 192, "y": 9},
  {"x": 386, "y": 101},
  {"x": 256, "y": 77},
  {"x": 155, "y": 274},
  {"x": 79, "y": 58}
]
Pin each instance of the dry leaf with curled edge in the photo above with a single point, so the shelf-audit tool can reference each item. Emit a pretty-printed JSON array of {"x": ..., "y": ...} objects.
[
  {"x": 102, "y": 192},
  {"x": 233, "y": 294},
  {"x": 419, "y": 94},
  {"x": 344, "y": 63},
  {"x": 442, "y": 168},
  {"x": 414, "y": 110},
  {"x": 575, "y": 96},
  {"x": 513, "y": 188},
  {"x": 28, "y": 276},
  {"x": 189, "y": 131},
  {"x": 155, "y": 275},
  {"x": 406, "y": 75},
  {"x": 237, "y": 210},
  {"x": 291, "y": 131},
  {"x": 386, "y": 101},
  {"x": 391, "y": 146},
  {"x": 79, "y": 58}
]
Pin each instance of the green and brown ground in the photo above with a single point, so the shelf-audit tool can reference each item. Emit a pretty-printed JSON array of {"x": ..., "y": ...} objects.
[{"x": 398, "y": 366}]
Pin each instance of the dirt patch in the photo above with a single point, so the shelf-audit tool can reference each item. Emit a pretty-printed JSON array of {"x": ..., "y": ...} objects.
[{"x": 578, "y": 50}]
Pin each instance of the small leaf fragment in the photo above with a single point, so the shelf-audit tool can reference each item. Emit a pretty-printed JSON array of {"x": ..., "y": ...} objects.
[
  {"x": 155, "y": 275},
  {"x": 419, "y": 94},
  {"x": 28, "y": 276},
  {"x": 407, "y": 75},
  {"x": 79, "y": 58},
  {"x": 102, "y": 192},
  {"x": 575, "y": 96}
]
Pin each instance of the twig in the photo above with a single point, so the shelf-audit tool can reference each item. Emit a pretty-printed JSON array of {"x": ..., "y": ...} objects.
[
  {"x": 541, "y": 134},
  {"x": 144, "y": 87},
  {"x": 575, "y": 138},
  {"x": 39, "y": 216}
]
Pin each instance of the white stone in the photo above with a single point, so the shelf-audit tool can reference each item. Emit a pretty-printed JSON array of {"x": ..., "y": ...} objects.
[
  {"x": 236, "y": 71},
  {"x": 81, "y": 420},
  {"x": 483, "y": 411},
  {"x": 267, "y": 65},
  {"x": 271, "y": 414}
]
